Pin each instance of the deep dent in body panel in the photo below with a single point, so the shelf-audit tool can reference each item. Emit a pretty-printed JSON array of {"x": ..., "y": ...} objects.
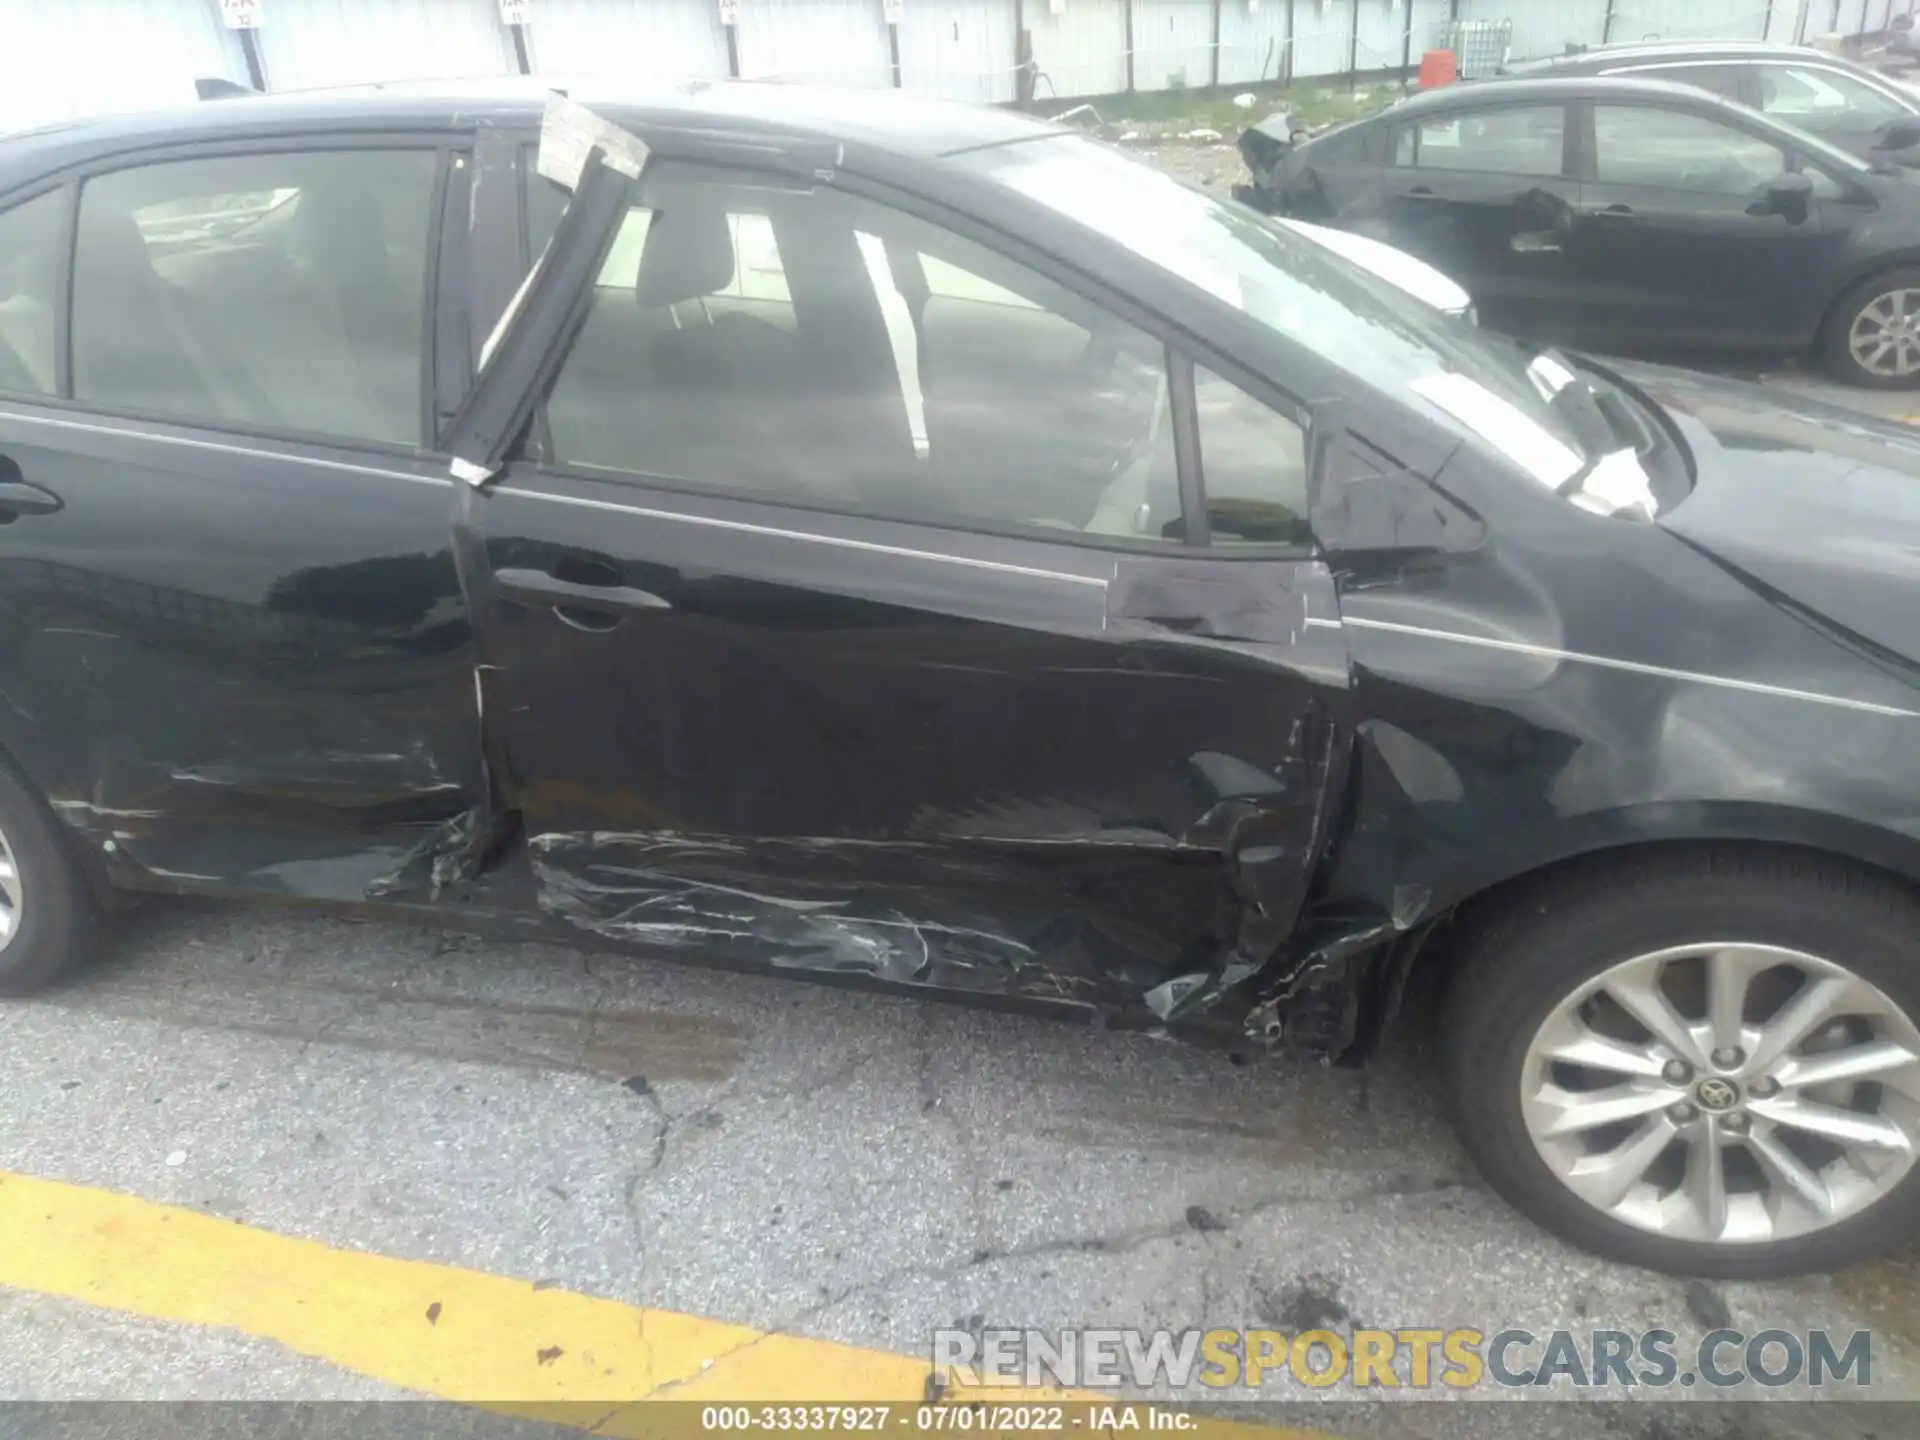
[{"x": 1021, "y": 917}]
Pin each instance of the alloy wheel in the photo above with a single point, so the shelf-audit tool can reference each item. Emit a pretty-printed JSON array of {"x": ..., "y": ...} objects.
[
  {"x": 1884, "y": 338},
  {"x": 1726, "y": 1093},
  {"x": 11, "y": 897}
]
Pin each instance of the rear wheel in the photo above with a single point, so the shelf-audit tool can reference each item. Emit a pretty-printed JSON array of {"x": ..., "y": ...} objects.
[
  {"x": 1873, "y": 336},
  {"x": 1707, "y": 1063},
  {"x": 48, "y": 919}
]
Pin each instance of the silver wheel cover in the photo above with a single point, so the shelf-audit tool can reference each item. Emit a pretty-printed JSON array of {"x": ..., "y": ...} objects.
[{"x": 1725, "y": 1093}]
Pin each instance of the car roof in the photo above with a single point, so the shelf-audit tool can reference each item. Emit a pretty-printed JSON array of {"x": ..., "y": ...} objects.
[
  {"x": 883, "y": 119},
  {"x": 1631, "y": 51},
  {"x": 1559, "y": 89}
]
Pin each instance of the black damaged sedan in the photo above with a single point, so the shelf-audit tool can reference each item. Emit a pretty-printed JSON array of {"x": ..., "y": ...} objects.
[
  {"x": 1626, "y": 213},
  {"x": 914, "y": 546}
]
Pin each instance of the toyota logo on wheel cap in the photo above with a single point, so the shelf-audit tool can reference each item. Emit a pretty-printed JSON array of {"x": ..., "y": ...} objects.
[{"x": 1717, "y": 1094}]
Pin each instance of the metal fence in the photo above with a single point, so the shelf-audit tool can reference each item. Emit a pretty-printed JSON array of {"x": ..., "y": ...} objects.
[{"x": 81, "y": 57}]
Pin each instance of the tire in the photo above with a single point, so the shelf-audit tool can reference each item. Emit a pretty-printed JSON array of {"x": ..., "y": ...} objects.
[
  {"x": 52, "y": 914},
  {"x": 1836, "y": 354},
  {"x": 1520, "y": 965}
]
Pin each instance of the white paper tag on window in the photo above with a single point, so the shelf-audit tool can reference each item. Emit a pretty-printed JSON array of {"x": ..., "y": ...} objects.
[{"x": 569, "y": 131}]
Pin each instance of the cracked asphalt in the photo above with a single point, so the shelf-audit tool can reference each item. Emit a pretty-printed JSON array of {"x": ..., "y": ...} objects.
[{"x": 791, "y": 1157}]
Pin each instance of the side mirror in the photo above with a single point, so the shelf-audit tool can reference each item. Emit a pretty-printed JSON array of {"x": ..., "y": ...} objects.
[
  {"x": 1787, "y": 195},
  {"x": 1898, "y": 134}
]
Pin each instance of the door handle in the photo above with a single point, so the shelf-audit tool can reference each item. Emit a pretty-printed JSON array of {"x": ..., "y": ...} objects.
[
  {"x": 1421, "y": 192},
  {"x": 1616, "y": 212},
  {"x": 22, "y": 497},
  {"x": 539, "y": 585}
]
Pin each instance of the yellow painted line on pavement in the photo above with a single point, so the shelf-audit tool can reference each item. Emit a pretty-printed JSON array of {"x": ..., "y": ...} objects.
[{"x": 505, "y": 1345}]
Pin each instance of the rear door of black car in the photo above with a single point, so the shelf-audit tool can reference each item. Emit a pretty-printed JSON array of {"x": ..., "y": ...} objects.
[
  {"x": 234, "y": 645},
  {"x": 1484, "y": 195},
  {"x": 851, "y": 613}
]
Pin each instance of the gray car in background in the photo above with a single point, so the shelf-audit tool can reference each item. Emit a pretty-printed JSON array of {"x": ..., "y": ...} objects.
[{"x": 1845, "y": 104}]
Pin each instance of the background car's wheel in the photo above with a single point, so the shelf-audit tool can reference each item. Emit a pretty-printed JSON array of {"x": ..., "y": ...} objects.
[
  {"x": 1702, "y": 1061},
  {"x": 48, "y": 917},
  {"x": 1873, "y": 336}
]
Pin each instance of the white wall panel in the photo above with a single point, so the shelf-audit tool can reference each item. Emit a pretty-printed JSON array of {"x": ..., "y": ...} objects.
[
  {"x": 1383, "y": 35},
  {"x": 958, "y": 49},
  {"x": 308, "y": 43},
  {"x": 1321, "y": 37},
  {"x": 1852, "y": 16},
  {"x": 1253, "y": 41},
  {"x": 67, "y": 58},
  {"x": 1544, "y": 27},
  {"x": 1172, "y": 44},
  {"x": 1080, "y": 51},
  {"x": 627, "y": 37},
  {"x": 1429, "y": 22},
  {"x": 831, "y": 42},
  {"x": 1690, "y": 19}
]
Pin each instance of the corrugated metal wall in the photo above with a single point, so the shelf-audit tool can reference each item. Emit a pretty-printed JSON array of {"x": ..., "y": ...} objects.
[
  {"x": 78, "y": 57},
  {"x": 1853, "y": 16},
  {"x": 306, "y": 43},
  {"x": 627, "y": 37},
  {"x": 834, "y": 42},
  {"x": 1079, "y": 48},
  {"x": 61, "y": 59},
  {"x": 958, "y": 49},
  {"x": 1383, "y": 34},
  {"x": 1172, "y": 44},
  {"x": 1320, "y": 30},
  {"x": 1670, "y": 20},
  {"x": 1543, "y": 27},
  {"x": 1253, "y": 41}
]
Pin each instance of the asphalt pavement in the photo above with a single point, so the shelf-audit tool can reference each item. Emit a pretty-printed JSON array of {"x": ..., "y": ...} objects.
[{"x": 796, "y": 1159}]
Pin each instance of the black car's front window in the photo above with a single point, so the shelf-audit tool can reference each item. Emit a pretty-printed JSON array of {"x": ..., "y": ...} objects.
[{"x": 1475, "y": 384}]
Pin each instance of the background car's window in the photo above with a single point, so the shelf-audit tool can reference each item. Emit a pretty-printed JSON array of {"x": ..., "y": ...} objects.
[
  {"x": 272, "y": 292},
  {"x": 1285, "y": 281},
  {"x": 1676, "y": 150},
  {"x": 825, "y": 350},
  {"x": 1722, "y": 80},
  {"x": 1255, "y": 463},
  {"x": 1518, "y": 140},
  {"x": 1811, "y": 96},
  {"x": 29, "y": 293}
]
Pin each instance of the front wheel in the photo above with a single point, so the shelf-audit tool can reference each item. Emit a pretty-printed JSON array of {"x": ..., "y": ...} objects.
[
  {"x": 1872, "y": 338},
  {"x": 48, "y": 917},
  {"x": 1706, "y": 1063}
]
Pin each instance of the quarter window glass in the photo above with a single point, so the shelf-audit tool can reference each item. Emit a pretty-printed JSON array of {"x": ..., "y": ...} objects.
[
  {"x": 1524, "y": 140},
  {"x": 29, "y": 291},
  {"x": 1672, "y": 149},
  {"x": 823, "y": 350},
  {"x": 1799, "y": 96},
  {"x": 272, "y": 292},
  {"x": 1720, "y": 79},
  {"x": 1255, "y": 463}
]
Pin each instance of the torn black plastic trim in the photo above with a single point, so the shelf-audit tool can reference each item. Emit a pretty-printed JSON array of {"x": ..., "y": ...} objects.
[{"x": 526, "y": 350}]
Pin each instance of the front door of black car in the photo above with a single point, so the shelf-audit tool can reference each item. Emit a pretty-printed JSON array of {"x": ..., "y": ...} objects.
[
  {"x": 235, "y": 648},
  {"x": 1483, "y": 195},
  {"x": 1676, "y": 242},
  {"x": 850, "y": 618}
]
